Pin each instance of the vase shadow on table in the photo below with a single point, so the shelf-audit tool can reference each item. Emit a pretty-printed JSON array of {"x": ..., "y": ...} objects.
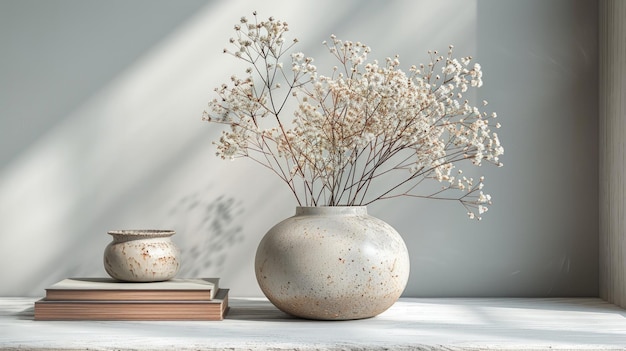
[
  {"x": 263, "y": 310},
  {"x": 258, "y": 310}
]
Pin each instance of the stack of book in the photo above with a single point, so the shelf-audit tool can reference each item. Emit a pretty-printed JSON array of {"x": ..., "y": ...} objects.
[{"x": 108, "y": 299}]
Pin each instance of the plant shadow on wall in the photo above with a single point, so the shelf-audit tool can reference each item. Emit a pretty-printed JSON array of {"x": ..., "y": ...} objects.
[{"x": 206, "y": 230}]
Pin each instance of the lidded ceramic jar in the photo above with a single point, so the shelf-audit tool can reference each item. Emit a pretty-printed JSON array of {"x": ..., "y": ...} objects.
[{"x": 142, "y": 255}]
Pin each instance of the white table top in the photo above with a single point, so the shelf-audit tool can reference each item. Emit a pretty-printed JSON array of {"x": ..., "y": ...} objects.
[{"x": 412, "y": 323}]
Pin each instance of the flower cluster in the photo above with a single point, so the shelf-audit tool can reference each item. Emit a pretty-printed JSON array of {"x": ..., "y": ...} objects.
[{"x": 365, "y": 132}]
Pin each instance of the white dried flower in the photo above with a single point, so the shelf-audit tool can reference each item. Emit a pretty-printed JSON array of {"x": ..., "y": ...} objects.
[{"x": 363, "y": 122}]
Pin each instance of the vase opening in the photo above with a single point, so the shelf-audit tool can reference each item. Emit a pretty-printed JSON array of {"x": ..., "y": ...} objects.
[
  {"x": 142, "y": 232},
  {"x": 330, "y": 210}
]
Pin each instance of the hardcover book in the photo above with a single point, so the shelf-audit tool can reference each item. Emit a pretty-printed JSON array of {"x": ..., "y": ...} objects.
[
  {"x": 144, "y": 310},
  {"x": 110, "y": 289}
]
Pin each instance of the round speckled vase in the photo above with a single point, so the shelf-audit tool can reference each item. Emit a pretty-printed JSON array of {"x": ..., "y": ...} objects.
[
  {"x": 142, "y": 255},
  {"x": 332, "y": 263}
]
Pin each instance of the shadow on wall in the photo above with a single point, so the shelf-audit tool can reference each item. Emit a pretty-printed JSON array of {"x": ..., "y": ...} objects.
[{"x": 206, "y": 230}]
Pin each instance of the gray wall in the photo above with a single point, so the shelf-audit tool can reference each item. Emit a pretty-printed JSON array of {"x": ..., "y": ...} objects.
[
  {"x": 612, "y": 166},
  {"x": 100, "y": 106}
]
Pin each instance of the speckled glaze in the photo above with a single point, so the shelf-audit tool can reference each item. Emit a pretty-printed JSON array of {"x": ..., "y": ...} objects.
[
  {"x": 142, "y": 255},
  {"x": 332, "y": 263}
]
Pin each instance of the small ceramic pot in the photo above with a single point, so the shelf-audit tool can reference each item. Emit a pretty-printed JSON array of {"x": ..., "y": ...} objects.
[{"x": 142, "y": 255}]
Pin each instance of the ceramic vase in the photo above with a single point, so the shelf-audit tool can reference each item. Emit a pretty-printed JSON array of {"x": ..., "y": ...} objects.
[
  {"x": 142, "y": 255},
  {"x": 332, "y": 263}
]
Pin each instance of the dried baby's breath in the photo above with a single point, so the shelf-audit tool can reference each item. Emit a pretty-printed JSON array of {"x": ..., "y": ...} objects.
[{"x": 365, "y": 124}]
